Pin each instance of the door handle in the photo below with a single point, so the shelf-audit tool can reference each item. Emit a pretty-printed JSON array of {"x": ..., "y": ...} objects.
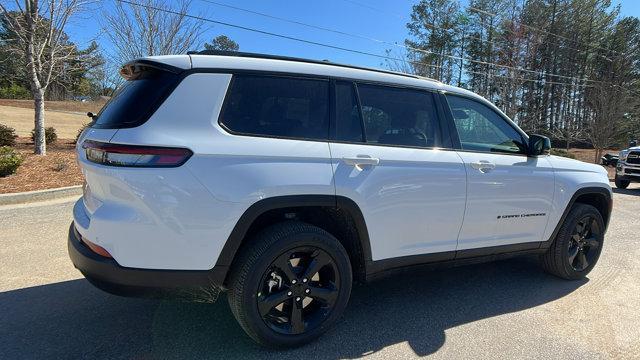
[
  {"x": 360, "y": 161},
  {"x": 483, "y": 165}
]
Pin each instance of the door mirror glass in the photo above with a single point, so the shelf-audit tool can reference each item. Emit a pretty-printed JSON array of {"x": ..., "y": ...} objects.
[
  {"x": 539, "y": 145},
  {"x": 633, "y": 143}
]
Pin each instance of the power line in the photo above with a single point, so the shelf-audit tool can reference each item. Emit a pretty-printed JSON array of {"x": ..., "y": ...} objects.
[
  {"x": 364, "y": 5},
  {"x": 287, "y": 37},
  {"x": 294, "y": 21},
  {"x": 333, "y": 46},
  {"x": 434, "y": 27},
  {"x": 533, "y": 28},
  {"x": 333, "y": 30},
  {"x": 407, "y": 47}
]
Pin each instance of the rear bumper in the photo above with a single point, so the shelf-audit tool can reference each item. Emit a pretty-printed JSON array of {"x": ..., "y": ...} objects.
[{"x": 106, "y": 274}]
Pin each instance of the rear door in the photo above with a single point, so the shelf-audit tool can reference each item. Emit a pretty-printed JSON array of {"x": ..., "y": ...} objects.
[
  {"x": 509, "y": 194},
  {"x": 387, "y": 157}
]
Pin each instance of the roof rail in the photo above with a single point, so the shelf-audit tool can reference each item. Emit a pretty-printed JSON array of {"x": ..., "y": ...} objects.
[{"x": 310, "y": 61}]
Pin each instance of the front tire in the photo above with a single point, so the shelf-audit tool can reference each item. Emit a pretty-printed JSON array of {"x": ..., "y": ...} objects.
[
  {"x": 578, "y": 244},
  {"x": 621, "y": 184},
  {"x": 290, "y": 284}
]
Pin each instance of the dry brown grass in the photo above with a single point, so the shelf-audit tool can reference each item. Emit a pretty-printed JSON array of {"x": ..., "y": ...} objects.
[
  {"x": 73, "y": 106},
  {"x": 57, "y": 169},
  {"x": 21, "y": 119},
  {"x": 588, "y": 155}
]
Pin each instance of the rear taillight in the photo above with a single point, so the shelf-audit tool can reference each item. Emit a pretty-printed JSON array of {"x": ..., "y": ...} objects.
[{"x": 134, "y": 155}]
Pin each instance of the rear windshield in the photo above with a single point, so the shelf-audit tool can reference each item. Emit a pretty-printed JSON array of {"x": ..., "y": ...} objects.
[{"x": 135, "y": 101}]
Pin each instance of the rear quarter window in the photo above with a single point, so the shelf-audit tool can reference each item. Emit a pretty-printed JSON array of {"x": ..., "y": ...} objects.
[
  {"x": 136, "y": 100},
  {"x": 277, "y": 107}
]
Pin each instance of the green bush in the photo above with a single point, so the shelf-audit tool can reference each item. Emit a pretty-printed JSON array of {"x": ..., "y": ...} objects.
[
  {"x": 49, "y": 135},
  {"x": 563, "y": 153},
  {"x": 7, "y": 136},
  {"x": 10, "y": 160},
  {"x": 14, "y": 91}
]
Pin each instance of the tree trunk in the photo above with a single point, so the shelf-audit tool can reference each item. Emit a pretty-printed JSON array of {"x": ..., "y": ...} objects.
[
  {"x": 40, "y": 146},
  {"x": 37, "y": 88}
]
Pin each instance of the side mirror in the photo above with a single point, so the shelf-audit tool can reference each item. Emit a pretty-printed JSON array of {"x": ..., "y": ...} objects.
[
  {"x": 539, "y": 145},
  {"x": 633, "y": 143}
]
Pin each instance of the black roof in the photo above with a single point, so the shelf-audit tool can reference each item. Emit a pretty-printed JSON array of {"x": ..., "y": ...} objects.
[{"x": 289, "y": 58}]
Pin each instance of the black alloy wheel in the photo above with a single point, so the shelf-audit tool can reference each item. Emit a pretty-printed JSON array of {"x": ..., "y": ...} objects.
[
  {"x": 584, "y": 241},
  {"x": 290, "y": 284},
  {"x": 577, "y": 245},
  {"x": 299, "y": 290}
]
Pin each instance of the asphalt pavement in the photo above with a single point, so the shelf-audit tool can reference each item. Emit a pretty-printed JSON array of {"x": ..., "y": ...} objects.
[{"x": 507, "y": 309}]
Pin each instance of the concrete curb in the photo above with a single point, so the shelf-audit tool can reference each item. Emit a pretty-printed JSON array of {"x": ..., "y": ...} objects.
[{"x": 40, "y": 195}]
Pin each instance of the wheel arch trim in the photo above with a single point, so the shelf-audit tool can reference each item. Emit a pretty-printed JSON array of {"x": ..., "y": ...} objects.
[
  {"x": 590, "y": 190},
  {"x": 240, "y": 230}
]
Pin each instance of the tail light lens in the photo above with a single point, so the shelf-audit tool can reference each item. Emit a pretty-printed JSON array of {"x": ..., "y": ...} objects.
[{"x": 134, "y": 155}]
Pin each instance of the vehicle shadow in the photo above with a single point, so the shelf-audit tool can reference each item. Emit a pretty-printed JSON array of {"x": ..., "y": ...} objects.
[
  {"x": 73, "y": 320},
  {"x": 632, "y": 191}
]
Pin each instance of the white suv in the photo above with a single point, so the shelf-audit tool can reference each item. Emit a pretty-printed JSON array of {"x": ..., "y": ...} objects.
[{"x": 284, "y": 180}]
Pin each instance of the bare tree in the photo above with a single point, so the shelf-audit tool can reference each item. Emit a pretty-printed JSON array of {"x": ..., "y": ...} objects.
[
  {"x": 146, "y": 29},
  {"x": 570, "y": 132},
  {"x": 399, "y": 61},
  {"x": 609, "y": 104},
  {"x": 39, "y": 39}
]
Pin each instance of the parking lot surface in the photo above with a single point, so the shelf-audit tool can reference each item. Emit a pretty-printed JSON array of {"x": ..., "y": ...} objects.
[{"x": 505, "y": 309}]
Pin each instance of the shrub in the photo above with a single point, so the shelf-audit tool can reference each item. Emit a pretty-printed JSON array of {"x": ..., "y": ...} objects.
[
  {"x": 49, "y": 135},
  {"x": 7, "y": 136},
  {"x": 14, "y": 91},
  {"x": 10, "y": 160},
  {"x": 563, "y": 153}
]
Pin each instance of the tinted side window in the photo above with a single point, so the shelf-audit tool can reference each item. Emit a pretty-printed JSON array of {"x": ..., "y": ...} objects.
[
  {"x": 277, "y": 106},
  {"x": 348, "y": 120},
  {"x": 482, "y": 129},
  {"x": 394, "y": 116}
]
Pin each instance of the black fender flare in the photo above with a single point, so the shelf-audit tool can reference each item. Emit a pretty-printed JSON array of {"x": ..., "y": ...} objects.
[
  {"x": 582, "y": 191},
  {"x": 234, "y": 241}
]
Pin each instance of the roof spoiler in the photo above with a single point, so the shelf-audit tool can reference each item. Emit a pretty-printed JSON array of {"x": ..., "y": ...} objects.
[{"x": 134, "y": 69}]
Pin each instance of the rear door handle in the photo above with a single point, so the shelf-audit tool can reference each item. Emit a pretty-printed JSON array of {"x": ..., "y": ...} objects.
[
  {"x": 483, "y": 165},
  {"x": 361, "y": 161}
]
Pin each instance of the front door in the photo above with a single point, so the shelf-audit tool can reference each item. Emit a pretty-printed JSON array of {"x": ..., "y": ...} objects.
[{"x": 509, "y": 194}]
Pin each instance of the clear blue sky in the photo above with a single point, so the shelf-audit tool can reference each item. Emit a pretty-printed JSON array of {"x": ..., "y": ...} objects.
[{"x": 387, "y": 22}]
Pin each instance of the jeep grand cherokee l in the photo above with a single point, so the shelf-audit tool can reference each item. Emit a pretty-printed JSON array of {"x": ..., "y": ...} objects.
[{"x": 284, "y": 180}]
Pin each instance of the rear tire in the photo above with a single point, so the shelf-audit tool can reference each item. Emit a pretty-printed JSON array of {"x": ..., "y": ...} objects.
[
  {"x": 578, "y": 244},
  {"x": 622, "y": 184},
  {"x": 290, "y": 284}
]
